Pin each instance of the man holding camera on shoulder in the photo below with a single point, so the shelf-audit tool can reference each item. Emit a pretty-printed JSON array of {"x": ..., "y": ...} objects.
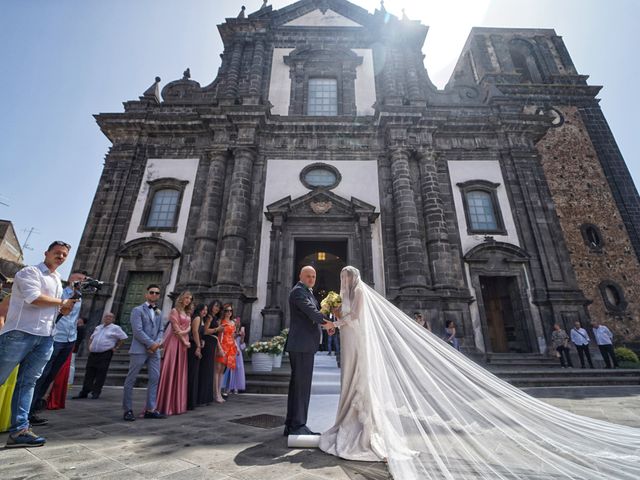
[
  {"x": 65, "y": 333},
  {"x": 26, "y": 338}
]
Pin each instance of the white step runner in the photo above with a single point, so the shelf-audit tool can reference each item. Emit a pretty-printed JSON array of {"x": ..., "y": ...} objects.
[{"x": 325, "y": 393}]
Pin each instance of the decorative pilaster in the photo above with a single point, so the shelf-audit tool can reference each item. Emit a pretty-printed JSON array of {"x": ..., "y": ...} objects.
[
  {"x": 272, "y": 314},
  {"x": 410, "y": 251},
  {"x": 364, "y": 227},
  {"x": 413, "y": 88},
  {"x": 234, "y": 237},
  {"x": 437, "y": 231},
  {"x": 257, "y": 64},
  {"x": 200, "y": 268},
  {"x": 233, "y": 74}
]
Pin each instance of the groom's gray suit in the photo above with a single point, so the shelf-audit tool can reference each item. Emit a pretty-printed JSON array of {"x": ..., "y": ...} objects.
[
  {"x": 304, "y": 337},
  {"x": 146, "y": 324}
]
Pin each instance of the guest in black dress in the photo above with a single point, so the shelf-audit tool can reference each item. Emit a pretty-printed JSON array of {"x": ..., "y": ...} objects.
[
  {"x": 195, "y": 354},
  {"x": 205, "y": 382}
]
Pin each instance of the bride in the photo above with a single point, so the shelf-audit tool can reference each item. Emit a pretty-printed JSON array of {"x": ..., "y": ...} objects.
[{"x": 410, "y": 399}]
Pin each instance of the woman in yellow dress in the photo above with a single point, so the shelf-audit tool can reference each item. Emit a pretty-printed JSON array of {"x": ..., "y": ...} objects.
[{"x": 6, "y": 389}]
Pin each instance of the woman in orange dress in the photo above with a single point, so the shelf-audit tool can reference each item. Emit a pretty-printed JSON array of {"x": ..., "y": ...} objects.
[{"x": 227, "y": 348}]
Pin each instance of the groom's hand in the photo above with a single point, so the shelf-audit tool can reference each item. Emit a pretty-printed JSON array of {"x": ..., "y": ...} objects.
[{"x": 328, "y": 325}]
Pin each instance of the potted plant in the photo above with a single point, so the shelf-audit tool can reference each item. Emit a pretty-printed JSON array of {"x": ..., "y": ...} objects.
[
  {"x": 260, "y": 353},
  {"x": 276, "y": 349}
]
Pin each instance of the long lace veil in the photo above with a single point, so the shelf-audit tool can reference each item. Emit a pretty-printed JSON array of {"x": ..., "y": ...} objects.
[{"x": 439, "y": 415}]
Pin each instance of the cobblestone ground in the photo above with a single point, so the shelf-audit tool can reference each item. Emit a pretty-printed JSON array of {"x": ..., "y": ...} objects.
[{"x": 89, "y": 439}]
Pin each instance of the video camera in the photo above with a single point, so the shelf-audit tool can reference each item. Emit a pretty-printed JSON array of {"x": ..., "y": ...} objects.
[
  {"x": 87, "y": 286},
  {"x": 83, "y": 287}
]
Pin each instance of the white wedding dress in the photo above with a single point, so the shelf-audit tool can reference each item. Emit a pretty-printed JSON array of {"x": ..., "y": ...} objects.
[{"x": 409, "y": 398}]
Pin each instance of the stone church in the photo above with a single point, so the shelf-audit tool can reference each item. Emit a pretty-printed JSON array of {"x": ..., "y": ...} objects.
[{"x": 500, "y": 202}]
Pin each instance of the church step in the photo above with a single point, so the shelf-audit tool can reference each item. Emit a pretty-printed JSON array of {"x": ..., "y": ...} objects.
[{"x": 573, "y": 381}]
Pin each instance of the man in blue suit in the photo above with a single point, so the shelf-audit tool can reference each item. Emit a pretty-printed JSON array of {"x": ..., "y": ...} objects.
[
  {"x": 146, "y": 324},
  {"x": 304, "y": 337}
]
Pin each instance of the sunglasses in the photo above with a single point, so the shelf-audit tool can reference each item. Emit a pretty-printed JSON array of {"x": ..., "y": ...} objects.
[
  {"x": 228, "y": 310},
  {"x": 154, "y": 292}
]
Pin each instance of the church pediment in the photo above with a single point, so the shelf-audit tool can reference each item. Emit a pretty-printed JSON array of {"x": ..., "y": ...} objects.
[
  {"x": 321, "y": 203},
  {"x": 317, "y": 18},
  {"x": 323, "y": 13}
]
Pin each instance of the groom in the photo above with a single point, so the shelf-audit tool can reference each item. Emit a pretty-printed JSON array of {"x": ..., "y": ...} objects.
[{"x": 302, "y": 343}]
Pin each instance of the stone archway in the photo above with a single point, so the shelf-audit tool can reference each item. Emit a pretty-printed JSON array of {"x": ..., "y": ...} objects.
[
  {"x": 498, "y": 274},
  {"x": 320, "y": 215}
]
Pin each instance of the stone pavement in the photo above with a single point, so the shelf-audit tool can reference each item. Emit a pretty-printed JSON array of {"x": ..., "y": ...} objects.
[{"x": 89, "y": 439}]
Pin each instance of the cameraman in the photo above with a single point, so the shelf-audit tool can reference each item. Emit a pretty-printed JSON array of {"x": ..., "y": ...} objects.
[
  {"x": 64, "y": 339},
  {"x": 26, "y": 337}
]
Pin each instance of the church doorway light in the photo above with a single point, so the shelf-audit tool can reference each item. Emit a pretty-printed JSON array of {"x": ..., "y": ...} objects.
[{"x": 328, "y": 257}]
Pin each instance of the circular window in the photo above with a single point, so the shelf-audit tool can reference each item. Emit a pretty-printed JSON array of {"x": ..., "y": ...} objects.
[
  {"x": 613, "y": 296},
  {"x": 320, "y": 175}
]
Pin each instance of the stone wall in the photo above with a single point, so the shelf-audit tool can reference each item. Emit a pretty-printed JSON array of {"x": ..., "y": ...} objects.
[{"x": 582, "y": 195}]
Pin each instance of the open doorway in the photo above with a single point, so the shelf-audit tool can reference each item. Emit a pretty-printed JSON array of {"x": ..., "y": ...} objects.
[{"x": 328, "y": 257}]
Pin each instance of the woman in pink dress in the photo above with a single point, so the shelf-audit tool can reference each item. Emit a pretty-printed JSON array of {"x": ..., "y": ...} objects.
[{"x": 172, "y": 391}]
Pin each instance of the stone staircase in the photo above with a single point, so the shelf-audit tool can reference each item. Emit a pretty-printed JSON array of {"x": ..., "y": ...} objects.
[
  {"x": 536, "y": 370},
  {"x": 519, "y": 369}
]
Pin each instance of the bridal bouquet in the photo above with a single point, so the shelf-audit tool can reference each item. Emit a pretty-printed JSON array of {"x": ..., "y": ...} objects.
[{"x": 331, "y": 301}]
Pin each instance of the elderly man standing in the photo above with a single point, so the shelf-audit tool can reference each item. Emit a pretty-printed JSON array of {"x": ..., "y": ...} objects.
[
  {"x": 64, "y": 339},
  {"x": 26, "y": 337},
  {"x": 604, "y": 339},
  {"x": 104, "y": 341}
]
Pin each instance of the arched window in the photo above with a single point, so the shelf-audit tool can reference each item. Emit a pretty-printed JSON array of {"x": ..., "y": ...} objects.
[
  {"x": 481, "y": 211},
  {"x": 525, "y": 61},
  {"x": 481, "y": 207},
  {"x": 592, "y": 236},
  {"x": 162, "y": 209}
]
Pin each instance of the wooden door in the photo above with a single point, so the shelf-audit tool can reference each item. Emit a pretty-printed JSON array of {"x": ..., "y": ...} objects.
[
  {"x": 134, "y": 295},
  {"x": 493, "y": 310}
]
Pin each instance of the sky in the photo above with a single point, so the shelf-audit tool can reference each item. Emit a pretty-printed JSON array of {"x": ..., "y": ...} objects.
[{"x": 65, "y": 60}]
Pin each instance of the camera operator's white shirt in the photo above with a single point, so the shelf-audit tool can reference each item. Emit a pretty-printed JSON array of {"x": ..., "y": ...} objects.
[{"x": 28, "y": 284}]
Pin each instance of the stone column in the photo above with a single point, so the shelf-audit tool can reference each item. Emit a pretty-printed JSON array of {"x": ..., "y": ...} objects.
[
  {"x": 409, "y": 249},
  {"x": 206, "y": 239},
  {"x": 234, "y": 237},
  {"x": 364, "y": 227},
  {"x": 257, "y": 64},
  {"x": 233, "y": 74},
  {"x": 435, "y": 222},
  {"x": 413, "y": 88},
  {"x": 272, "y": 314}
]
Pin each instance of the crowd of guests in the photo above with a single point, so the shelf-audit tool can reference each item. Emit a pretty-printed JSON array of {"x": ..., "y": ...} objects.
[
  {"x": 199, "y": 344},
  {"x": 41, "y": 331}
]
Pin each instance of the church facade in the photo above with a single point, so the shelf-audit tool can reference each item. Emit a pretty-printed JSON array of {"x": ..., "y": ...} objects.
[{"x": 500, "y": 202}]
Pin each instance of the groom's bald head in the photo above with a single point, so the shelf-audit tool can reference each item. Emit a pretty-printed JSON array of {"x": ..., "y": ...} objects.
[{"x": 308, "y": 276}]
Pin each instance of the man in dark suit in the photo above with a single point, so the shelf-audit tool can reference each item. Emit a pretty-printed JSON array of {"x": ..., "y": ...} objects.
[
  {"x": 146, "y": 325},
  {"x": 304, "y": 337}
]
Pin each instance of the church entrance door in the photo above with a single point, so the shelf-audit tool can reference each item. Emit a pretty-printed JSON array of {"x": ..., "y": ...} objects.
[
  {"x": 503, "y": 314},
  {"x": 328, "y": 257},
  {"x": 135, "y": 290}
]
